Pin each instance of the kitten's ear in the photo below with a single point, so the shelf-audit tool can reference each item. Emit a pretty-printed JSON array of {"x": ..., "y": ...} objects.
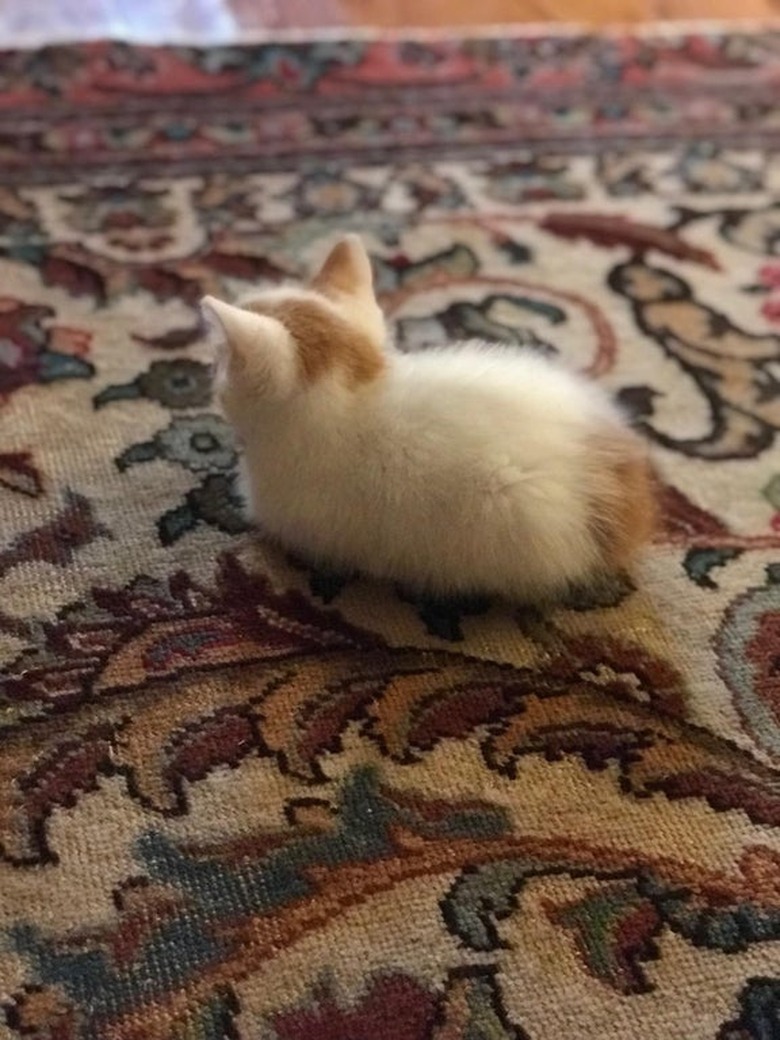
[
  {"x": 230, "y": 328},
  {"x": 346, "y": 271},
  {"x": 249, "y": 344}
]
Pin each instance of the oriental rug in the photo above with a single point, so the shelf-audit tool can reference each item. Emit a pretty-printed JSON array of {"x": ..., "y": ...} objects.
[{"x": 239, "y": 799}]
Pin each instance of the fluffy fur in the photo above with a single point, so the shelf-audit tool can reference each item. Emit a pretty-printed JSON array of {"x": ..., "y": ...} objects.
[{"x": 470, "y": 469}]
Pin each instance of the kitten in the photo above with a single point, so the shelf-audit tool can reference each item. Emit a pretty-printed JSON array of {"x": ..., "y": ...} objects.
[{"x": 469, "y": 469}]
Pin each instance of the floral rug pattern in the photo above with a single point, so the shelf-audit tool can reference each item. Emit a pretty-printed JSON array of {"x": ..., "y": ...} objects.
[{"x": 242, "y": 799}]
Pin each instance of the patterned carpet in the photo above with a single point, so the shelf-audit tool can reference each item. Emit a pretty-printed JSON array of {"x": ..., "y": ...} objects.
[{"x": 242, "y": 800}]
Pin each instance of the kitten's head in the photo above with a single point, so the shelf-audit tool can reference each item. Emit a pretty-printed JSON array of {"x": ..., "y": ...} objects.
[{"x": 283, "y": 341}]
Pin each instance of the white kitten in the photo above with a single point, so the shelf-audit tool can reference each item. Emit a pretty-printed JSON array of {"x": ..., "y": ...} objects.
[{"x": 469, "y": 469}]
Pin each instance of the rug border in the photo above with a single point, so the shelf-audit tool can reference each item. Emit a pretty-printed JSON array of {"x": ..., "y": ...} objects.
[{"x": 651, "y": 111}]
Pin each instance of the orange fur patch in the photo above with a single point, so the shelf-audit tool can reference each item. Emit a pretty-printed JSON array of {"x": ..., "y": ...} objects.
[
  {"x": 325, "y": 341},
  {"x": 624, "y": 511}
]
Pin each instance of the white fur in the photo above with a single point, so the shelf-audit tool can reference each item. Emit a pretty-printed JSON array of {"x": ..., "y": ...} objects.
[{"x": 464, "y": 469}]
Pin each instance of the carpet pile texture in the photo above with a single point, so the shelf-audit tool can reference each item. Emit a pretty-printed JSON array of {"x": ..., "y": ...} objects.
[{"x": 239, "y": 799}]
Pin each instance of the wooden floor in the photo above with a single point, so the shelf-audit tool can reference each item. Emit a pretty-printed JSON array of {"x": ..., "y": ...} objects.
[
  {"x": 400, "y": 13},
  {"x": 40, "y": 21}
]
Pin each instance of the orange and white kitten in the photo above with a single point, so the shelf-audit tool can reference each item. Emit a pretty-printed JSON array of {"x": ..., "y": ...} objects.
[{"x": 469, "y": 469}]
